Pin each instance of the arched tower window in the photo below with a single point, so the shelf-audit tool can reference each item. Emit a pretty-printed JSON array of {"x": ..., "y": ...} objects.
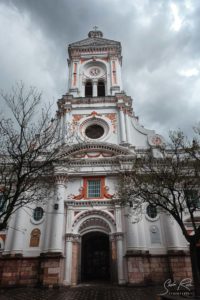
[
  {"x": 35, "y": 238},
  {"x": 101, "y": 88},
  {"x": 88, "y": 89}
]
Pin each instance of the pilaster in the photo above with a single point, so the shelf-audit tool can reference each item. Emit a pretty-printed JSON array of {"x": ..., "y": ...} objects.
[
  {"x": 122, "y": 124},
  {"x": 71, "y": 261}
]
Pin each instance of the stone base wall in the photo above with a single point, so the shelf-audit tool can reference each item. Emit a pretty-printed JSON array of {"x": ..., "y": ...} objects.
[
  {"x": 180, "y": 265},
  {"x": 48, "y": 270},
  {"x": 155, "y": 269},
  {"x": 21, "y": 271},
  {"x": 18, "y": 271},
  {"x": 147, "y": 269}
]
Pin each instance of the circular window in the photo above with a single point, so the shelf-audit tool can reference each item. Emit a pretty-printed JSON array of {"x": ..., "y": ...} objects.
[
  {"x": 94, "y": 131},
  {"x": 151, "y": 211},
  {"x": 38, "y": 213}
]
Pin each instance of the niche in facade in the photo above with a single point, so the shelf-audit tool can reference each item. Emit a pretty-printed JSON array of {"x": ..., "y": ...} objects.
[{"x": 35, "y": 238}]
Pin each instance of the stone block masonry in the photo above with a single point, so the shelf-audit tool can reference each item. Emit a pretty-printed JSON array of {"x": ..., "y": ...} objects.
[
  {"x": 20, "y": 271},
  {"x": 155, "y": 269}
]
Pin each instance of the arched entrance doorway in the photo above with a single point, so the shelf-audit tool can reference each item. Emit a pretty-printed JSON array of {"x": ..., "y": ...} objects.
[
  {"x": 95, "y": 257},
  {"x": 94, "y": 249}
]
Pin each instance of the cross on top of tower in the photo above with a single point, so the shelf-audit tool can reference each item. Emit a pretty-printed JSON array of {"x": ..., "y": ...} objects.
[{"x": 95, "y": 33}]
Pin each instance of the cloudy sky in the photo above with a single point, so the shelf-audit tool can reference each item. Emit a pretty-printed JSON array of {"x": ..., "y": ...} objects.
[{"x": 160, "y": 43}]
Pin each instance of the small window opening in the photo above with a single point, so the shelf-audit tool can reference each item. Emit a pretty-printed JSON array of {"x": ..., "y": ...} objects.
[
  {"x": 101, "y": 88},
  {"x": 88, "y": 89},
  {"x": 151, "y": 211}
]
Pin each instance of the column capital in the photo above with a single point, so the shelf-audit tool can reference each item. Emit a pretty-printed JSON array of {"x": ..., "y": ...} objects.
[
  {"x": 74, "y": 238},
  {"x": 60, "y": 178},
  {"x": 117, "y": 236},
  {"x": 120, "y": 106}
]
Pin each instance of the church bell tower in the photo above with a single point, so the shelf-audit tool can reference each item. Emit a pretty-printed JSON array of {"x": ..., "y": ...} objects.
[{"x": 95, "y": 66}]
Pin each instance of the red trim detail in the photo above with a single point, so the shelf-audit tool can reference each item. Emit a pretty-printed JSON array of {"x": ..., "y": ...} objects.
[
  {"x": 83, "y": 190},
  {"x": 94, "y": 114},
  {"x": 81, "y": 195}
]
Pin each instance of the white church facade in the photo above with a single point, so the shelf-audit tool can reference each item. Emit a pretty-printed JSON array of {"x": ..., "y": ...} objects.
[{"x": 82, "y": 233}]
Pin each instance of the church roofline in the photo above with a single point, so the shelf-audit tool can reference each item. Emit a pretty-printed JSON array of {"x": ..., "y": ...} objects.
[{"x": 95, "y": 41}]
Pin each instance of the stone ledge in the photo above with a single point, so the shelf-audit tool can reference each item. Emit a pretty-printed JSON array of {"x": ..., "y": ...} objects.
[
  {"x": 178, "y": 253},
  {"x": 51, "y": 255}
]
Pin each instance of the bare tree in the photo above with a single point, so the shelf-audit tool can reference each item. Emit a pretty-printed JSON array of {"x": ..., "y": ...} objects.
[
  {"x": 168, "y": 178},
  {"x": 28, "y": 147}
]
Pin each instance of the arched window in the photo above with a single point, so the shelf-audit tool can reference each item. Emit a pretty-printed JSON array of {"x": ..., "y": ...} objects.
[
  {"x": 88, "y": 89},
  {"x": 101, "y": 88},
  {"x": 35, "y": 238}
]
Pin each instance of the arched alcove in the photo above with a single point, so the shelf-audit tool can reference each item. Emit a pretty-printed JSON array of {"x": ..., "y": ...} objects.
[{"x": 35, "y": 238}]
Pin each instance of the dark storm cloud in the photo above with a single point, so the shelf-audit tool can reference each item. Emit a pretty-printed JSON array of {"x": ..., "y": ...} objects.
[{"x": 160, "y": 41}]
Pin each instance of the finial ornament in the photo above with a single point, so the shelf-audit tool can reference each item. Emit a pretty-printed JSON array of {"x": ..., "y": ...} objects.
[{"x": 95, "y": 28}]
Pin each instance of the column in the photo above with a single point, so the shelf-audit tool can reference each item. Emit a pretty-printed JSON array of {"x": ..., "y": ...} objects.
[
  {"x": 18, "y": 234},
  {"x": 120, "y": 254},
  {"x": 48, "y": 222},
  {"x": 122, "y": 125},
  {"x": 94, "y": 88},
  {"x": 57, "y": 229}
]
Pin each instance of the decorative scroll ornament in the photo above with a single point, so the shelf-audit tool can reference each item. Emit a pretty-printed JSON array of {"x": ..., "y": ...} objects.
[{"x": 83, "y": 193}]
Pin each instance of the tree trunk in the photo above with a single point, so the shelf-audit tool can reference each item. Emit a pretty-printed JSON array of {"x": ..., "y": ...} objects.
[
  {"x": 3, "y": 225},
  {"x": 195, "y": 269}
]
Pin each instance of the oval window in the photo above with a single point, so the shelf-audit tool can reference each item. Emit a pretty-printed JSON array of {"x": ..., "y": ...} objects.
[
  {"x": 38, "y": 213},
  {"x": 152, "y": 211},
  {"x": 94, "y": 131}
]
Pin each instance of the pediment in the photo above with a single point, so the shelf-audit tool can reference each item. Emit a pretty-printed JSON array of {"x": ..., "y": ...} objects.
[
  {"x": 94, "y": 151},
  {"x": 94, "y": 42}
]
